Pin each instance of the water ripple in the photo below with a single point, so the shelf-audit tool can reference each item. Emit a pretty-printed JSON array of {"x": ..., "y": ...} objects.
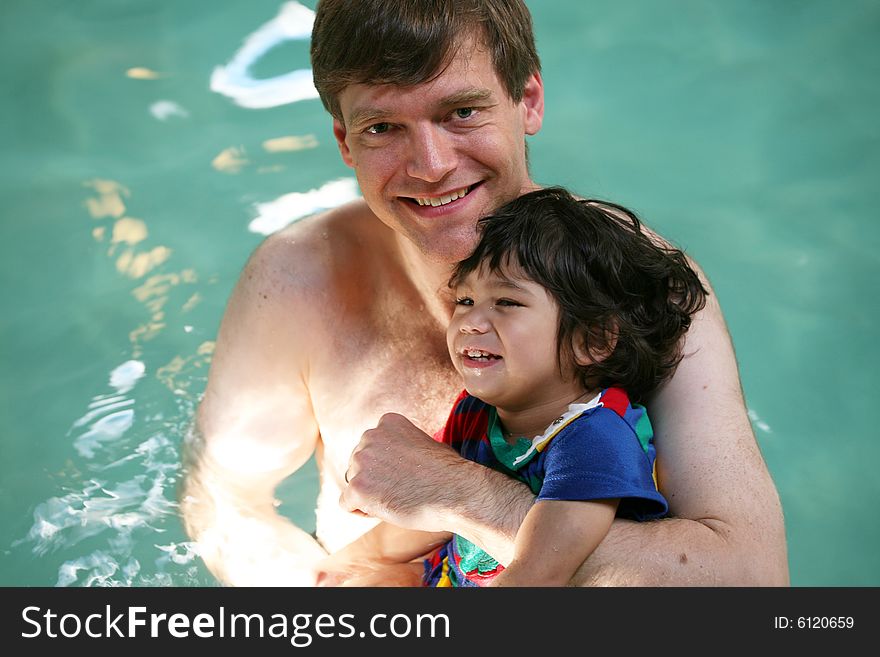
[{"x": 103, "y": 529}]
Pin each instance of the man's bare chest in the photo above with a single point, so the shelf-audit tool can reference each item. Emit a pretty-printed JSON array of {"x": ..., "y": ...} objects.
[{"x": 403, "y": 370}]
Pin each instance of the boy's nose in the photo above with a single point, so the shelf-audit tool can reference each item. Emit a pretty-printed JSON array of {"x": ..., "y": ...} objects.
[{"x": 475, "y": 322}]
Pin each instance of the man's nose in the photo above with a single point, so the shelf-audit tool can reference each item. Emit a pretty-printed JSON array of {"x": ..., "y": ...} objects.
[{"x": 431, "y": 154}]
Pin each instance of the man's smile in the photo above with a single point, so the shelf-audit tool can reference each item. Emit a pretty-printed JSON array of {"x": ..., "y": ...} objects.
[{"x": 441, "y": 199}]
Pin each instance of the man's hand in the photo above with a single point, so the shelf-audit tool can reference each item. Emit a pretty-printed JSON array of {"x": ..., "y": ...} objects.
[
  {"x": 399, "y": 474},
  {"x": 384, "y": 556}
]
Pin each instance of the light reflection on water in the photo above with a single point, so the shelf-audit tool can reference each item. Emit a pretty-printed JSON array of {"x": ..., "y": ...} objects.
[{"x": 129, "y": 493}]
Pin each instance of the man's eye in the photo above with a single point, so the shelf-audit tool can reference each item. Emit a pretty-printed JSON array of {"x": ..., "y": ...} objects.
[
  {"x": 378, "y": 128},
  {"x": 464, "y": 112},
  {"x": 464, "y": 301}
]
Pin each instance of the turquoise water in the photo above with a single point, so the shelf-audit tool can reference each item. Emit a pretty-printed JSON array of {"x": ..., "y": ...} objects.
[{"x": 133, "y": 189}]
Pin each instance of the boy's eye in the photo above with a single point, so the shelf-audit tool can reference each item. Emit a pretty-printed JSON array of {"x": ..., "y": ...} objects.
[
  {"x": 464, "y": 301},
  {"x": 378, "y": 128},
  {"x": 507, "y": 302}
]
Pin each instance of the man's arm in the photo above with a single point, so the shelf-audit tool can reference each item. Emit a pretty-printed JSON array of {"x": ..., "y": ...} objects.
[
  {"x": 430, "y": 487},
  {"x": 728, "y": 526},
  {"x": 254, "y": 428}
]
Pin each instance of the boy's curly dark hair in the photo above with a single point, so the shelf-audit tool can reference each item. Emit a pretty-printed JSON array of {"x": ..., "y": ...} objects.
[{"x": 629, "y": 299}]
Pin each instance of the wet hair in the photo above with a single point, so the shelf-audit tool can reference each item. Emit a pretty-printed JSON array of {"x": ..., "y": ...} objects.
[
  {"x": 408, "y": 42},
  {"x": 627, "y": 298}
]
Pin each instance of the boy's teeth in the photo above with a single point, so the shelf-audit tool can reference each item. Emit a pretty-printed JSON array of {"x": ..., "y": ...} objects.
[{"x": 443, "y": 200}]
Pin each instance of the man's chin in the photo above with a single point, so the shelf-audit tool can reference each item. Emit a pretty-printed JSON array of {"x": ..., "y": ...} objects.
[{"x": 452, "y": 247}]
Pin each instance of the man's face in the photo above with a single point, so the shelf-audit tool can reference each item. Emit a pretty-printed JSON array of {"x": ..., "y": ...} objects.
[{"x": 433, "y": 158}]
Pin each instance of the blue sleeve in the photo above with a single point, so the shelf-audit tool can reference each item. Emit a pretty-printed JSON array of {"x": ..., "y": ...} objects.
[{"x": 598, "y": 456}]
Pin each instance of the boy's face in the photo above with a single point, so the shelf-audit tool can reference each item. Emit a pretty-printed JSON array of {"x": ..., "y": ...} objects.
[
  {"x": 502, "y": 339},
  {"x": 433, "y": 158}
]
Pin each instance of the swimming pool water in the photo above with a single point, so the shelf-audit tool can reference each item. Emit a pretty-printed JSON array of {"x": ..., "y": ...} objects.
[{"x": 147, "y": 150}]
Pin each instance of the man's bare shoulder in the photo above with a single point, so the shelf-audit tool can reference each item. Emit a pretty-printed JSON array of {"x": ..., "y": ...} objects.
[
  {"x": 296, "y": 283},
  {"x": 321, "y": 253}
]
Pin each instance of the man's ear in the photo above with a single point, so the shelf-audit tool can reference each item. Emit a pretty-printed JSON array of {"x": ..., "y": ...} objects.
[
  {"x": 602, "y": 342},
  {"x": 339, "y": 132},
  {"x": 533, "y": 103}
]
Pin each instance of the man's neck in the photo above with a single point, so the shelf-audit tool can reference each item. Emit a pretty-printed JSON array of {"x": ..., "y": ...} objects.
[{"x": 429, "y": 280}]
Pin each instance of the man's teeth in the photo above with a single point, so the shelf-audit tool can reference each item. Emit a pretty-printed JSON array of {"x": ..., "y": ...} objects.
[{"x": 443, "y": 200}]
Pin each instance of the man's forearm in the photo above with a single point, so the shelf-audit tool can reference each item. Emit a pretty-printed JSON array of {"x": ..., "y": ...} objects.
[
  {"x": 678, "y": 552},
  {"x": 488, "y": 510},
  {"x": 670, "y": 552},
  {"x": 239, "y": 534},
  {"x": 733, "y": 535}
]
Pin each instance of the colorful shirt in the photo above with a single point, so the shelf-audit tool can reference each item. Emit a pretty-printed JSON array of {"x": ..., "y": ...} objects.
[{"x": 603, "y": 449}]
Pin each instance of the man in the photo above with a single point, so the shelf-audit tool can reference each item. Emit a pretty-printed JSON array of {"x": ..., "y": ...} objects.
[{"x": 333, "y": 340}]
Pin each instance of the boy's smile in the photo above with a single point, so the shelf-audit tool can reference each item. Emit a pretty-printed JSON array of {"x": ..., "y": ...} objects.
[{"x": 477, "y": 358}]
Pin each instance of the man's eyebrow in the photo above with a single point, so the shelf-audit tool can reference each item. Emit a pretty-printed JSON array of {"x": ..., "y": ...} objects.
[
  {"x": 466, "y": 97},
  {"x": 368, "y": 116}
]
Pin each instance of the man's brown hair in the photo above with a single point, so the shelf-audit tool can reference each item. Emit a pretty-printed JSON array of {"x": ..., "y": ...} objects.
[{"x": 407, "y": 42}]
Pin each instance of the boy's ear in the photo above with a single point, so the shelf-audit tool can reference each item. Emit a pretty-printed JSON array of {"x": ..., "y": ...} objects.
[{"x": 595, "y": 345}]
